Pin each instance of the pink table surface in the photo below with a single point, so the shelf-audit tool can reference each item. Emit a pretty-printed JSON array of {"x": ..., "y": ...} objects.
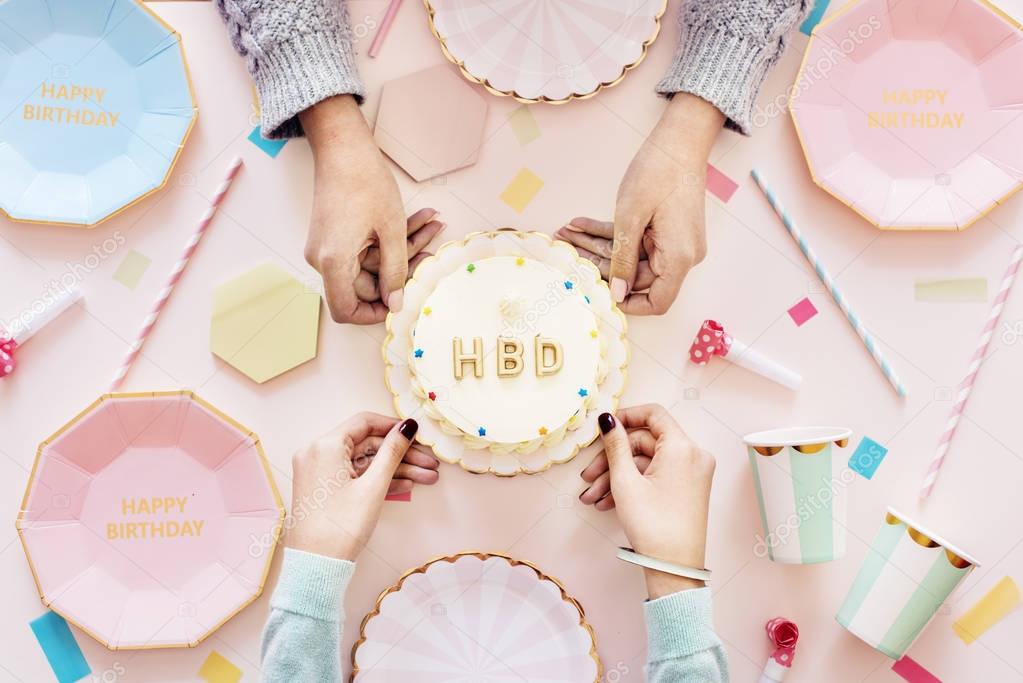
[{"x": 977, "y": 502}]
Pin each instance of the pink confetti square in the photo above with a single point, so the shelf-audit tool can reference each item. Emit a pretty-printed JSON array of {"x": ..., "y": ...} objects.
[
  {"x": 802, "y": 312},
  {"x": 720, "y": 185}
]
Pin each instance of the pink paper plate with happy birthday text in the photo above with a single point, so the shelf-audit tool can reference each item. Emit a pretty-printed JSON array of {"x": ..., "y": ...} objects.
[
  {"x": 150, "y": 520},
  {"x": 480, "y": 617},
  {"x": 911, "y": 112},
  {"x": 545, "y": 50}
]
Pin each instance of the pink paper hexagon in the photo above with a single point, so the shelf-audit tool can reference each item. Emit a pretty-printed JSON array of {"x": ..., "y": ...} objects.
[{"x": 431, "y": 122}]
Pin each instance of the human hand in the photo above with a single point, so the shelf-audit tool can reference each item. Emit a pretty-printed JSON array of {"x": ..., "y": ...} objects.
[
  {"x": 340, "y": 480},
  {"x": 659, "y": 481},
  {"x": 658, "y": 233},
  {"x": 359, "y": 239}
]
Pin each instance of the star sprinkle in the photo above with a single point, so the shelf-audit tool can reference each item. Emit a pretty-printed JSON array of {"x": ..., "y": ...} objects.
[
  {"x": 584, "y": 393},
  {"x": 427, "y": 310},
  {"x": 471, "y": 267},
  {"x": 543, "y": 431},
  {"x": 419, "y": 353},
  {"x": 587, "y": 298},
  {"x": 569, "y": 284},
  {"x": 520, "y": 261},
  {"x": 481, "y": 431},
  {"x": 593, "y": 333},
  {"x": 432, "y": 396}
]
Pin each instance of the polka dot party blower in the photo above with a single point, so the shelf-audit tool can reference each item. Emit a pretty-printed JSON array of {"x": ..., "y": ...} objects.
[
  {"x": 712, "y": 340},
  {"x": 48, "y": 311}
]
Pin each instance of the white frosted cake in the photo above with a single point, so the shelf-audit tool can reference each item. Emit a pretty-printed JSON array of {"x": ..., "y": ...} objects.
[{"x": 507, "y": 353}]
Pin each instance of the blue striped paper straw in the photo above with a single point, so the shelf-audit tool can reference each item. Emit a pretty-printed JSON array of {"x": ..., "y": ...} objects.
[{"x": 836, "y": 293}]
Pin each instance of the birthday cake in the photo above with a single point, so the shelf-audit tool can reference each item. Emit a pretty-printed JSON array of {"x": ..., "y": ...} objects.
[{"x": 507, "y": 353}]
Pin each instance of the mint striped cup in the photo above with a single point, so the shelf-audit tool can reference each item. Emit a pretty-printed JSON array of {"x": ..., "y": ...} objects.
[
  {"x": 801, "y": 488},
  {"x": 907, "y": 575}
]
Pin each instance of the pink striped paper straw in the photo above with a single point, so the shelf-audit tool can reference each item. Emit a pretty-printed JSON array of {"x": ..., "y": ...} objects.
[
  {"x": 971, "y": 374},
  {"x": 385, "y": 26},
  {"x": 175, "y": 275}
]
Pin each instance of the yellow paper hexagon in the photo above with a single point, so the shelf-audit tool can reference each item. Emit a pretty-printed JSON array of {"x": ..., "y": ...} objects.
[{"x": 265, "y": 323}]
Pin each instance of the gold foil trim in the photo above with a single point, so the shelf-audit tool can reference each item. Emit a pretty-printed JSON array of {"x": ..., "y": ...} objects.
[
  {"x": 527, "y": 100},
  {"x": 482, "y": 556},
  {"x": 926, "y": 541},
  {"x": 811, "y": 448},
  {"x": 768, "y": 450}
]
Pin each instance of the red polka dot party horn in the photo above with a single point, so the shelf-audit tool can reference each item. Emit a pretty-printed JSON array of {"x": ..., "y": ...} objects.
[
  {"x": 784, "y": 634},
  {"x": 37, "y": 316},
  {"x": 712, "y": 340}
]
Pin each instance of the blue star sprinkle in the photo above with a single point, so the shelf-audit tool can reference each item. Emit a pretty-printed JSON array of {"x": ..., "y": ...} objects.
[
  {"x": 584, "y": 393},
  {"x": 481, "y": 431},
  {"x": 419, "y": 353},
  {"x": 568, "y": 284},
  {"x": 587, "y": 298}
]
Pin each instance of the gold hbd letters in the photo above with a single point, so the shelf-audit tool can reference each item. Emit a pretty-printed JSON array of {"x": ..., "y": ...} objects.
[
  {"x": 157, "y": 509},
  {"x": 915, "y": 108},
  {"x": 71, "y": 105}
]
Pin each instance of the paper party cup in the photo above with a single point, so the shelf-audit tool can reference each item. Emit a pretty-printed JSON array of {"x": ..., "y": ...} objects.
[
  {"x": 907, "y": 575},
  {"x": 800, "y": 491}
]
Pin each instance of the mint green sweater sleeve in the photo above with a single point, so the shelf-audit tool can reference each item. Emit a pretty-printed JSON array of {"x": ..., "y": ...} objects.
[
  {"x": 302, "y": 637},
  {"x": 681, "y": 642}
]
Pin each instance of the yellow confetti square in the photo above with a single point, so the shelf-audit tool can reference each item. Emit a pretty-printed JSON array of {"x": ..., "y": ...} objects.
[
  {"x": 521, "y": 191},
  {"x": 996, "y": 604},
  {"x": 217, "y": 669},
  {"x": 523, "y": 124},
  {"x": 132, "y": 268}
]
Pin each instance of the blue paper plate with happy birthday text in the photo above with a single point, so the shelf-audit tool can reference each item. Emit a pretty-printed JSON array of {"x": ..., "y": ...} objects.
[{"x": 95, "y": 106}]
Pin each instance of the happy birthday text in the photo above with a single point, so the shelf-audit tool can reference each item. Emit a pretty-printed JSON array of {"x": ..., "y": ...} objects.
[
  {"x": 73, "y": 109},
  {"x": 918, "y": 99},
  {"x": 154, "y": 528}
]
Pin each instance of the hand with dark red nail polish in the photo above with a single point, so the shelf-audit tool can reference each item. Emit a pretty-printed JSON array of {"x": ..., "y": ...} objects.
[
  {"x": 659, "y": 483},
  {"x": 340, "y": 481}
]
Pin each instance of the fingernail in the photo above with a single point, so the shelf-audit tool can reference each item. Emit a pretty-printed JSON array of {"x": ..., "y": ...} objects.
[
  {"x": 573, "y": 228},
  {"x": 434, "y": 216},
  {"x": 583, "y": 493},
  {"x": 618, "y": 289},
  {"x": 606, "y": 422},
  {"x": 442, "y": 228},
  {"x": 394, "y": 300},
  {"x": 408, "y": 428}
]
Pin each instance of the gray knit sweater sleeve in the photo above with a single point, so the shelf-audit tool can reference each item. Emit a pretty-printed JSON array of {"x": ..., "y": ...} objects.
[
  {"x": 299, "y": 52},
  {"x": 726, "y": 49}
]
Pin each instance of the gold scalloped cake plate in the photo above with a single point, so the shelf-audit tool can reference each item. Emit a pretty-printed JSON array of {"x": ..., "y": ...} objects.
[
  {"x": 455, "y": 447},
  {"x": 545, "y": 50},
  {"x": 480, "y": 617}
]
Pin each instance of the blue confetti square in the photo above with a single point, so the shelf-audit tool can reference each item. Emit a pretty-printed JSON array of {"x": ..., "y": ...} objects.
[
  {"x": 867, "y": 457},
  {"x": 60, "y": 647},
  {"x": 271, "y": 147},
  {"x": 815, "y": 16}
]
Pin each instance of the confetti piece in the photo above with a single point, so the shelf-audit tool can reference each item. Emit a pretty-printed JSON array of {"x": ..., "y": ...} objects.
[
  {"x": 802, "y": 312},
  {"x": 132, "y": 268},
  {"x": 217, "y": 669},
  {"x": 523, "y": 124},
  {"x": 720, "y": 185},
  {"x": 913, "y": 672},
  {"x": 815, "y": 16},
  {"x": 271, "y": 147},
  {"x": 961, "y": 289},
  {"x": 400, "y": 497},
  {"x": 521, "y": 191},
  {"x": 867, "y": 457},
  {"x": 996, "y": 604},
  {"x": 60, "y": 647}
]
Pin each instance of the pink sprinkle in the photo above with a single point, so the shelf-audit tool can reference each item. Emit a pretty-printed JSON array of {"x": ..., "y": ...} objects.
[{"x": 802, "y": 312}]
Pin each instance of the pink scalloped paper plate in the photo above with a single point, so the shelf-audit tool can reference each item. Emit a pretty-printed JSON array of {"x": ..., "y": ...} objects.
[
  {"x": 476, "y": 247},
  {"x": 911, "y": 112},
  {"x": 481, "y": 617},
  {"x": 150, "y": 520},
  {"x": 544, "y": 50}
]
